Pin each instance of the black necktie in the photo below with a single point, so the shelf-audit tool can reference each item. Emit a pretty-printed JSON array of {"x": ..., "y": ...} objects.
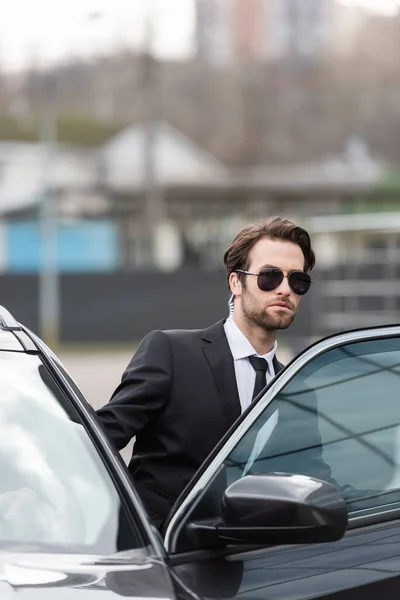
[{"x": 260, "y": 366}]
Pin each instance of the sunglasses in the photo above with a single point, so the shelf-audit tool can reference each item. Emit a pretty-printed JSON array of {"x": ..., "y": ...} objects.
[{"x": 271, "y": 278}]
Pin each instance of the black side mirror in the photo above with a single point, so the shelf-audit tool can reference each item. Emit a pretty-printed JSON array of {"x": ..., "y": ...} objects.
[
  {"x": 276, "y": 508},
  {"x": 284, "y": 509}
]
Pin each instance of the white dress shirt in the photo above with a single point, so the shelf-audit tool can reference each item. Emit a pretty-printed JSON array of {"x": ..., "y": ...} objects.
[{"x": 245, "y": 374}]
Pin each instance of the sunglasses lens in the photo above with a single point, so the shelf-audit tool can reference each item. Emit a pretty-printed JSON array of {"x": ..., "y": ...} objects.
[
  {"x": 299, "y": 282},
  {"x": 269, "y": 279}
]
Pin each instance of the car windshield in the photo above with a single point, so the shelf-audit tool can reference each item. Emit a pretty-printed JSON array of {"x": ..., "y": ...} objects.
[{"x": 55, "y": 491}]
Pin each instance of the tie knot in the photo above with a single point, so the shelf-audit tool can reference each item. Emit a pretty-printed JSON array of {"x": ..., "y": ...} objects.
[{"x": 258, "y": 364}]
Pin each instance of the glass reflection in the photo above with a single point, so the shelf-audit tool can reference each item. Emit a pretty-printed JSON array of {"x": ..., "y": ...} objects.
[{"x": 54, "y": 488}]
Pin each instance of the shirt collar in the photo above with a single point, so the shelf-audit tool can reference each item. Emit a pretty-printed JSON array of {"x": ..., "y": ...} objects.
[{"x": 240, "y": 345}]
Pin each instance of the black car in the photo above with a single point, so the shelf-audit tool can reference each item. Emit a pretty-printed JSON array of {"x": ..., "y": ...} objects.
[{"x": 248, "y": 526}]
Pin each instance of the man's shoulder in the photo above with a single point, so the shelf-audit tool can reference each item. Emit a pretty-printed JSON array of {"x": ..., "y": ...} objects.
[
  {"x": 180, "y": 342},
  {"x": 171, "y": 336},
  {"x": 207, "y": 333}
]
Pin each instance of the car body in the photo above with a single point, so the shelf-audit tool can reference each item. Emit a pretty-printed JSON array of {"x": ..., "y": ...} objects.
[{"x": 254, "y": 523}]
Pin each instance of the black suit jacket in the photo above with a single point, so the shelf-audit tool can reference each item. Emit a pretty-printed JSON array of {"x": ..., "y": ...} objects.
[{"x": 178, "y": 396}]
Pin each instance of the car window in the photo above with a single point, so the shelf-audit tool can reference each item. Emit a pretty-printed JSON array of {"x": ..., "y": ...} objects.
[
  {"x": 55, "y": 490},
  {"x": 338, "y": 419}
]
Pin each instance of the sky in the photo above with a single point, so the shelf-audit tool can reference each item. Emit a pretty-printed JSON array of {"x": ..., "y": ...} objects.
[
  {"x": 388, "y": 7},
  {"x": 47, "y": 30},
  {"x": 44, "y": 31}
]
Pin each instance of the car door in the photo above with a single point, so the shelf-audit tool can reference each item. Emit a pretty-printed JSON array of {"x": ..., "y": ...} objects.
[
  {"x": 71, "y": 524},
  {"x": 333, "y": 414}
]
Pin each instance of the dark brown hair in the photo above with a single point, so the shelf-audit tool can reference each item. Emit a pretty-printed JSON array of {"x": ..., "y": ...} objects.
[{"x": 274, "y": 228}]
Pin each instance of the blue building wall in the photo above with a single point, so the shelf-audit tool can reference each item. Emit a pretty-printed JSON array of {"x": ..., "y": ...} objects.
[{"x": 81, "y": 246}]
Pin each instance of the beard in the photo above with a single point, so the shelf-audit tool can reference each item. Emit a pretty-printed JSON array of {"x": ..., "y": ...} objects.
[{"x": 263, "y": 318}]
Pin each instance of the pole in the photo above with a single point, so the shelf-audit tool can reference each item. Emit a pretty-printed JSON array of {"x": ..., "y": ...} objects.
[
  {"x": 153, "y": 200},
  {"x": 48, "y": 274}
]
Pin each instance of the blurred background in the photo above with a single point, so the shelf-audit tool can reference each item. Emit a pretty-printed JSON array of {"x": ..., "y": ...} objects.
[{"x": 138, "y": 136}]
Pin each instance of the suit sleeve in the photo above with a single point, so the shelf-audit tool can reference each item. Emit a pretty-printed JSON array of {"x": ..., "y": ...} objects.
[{"x": 143, "y": 391}]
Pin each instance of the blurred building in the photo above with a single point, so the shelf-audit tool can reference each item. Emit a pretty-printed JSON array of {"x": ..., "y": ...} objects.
[
  {"x": 348, "y": 24},
  {"x": 85, "y": 239},
  {"x": 291, "y": 30},
  {"x": 248, "y": 27},
  {"x": 204, "y": 204},
  {"x": 213, "y": 31},
  {"x": 71, "y": 173},
  {"x": 298, "y": 30},
  {"x": 100, "y": 201},
  {"x": 177, "y": 160},
  {"x": 188, "y": 182},
  {"x": 358, "y": 283},
  {"x": 201, "y": 202}
]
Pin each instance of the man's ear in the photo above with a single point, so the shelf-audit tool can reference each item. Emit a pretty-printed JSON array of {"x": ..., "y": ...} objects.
[{"x": 234, "y": 284}]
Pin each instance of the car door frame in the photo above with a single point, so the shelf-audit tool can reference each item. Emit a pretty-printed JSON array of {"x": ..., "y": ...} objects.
[
  {"x": 195, "y": 489},
  {"x": 111, "y": 458}
]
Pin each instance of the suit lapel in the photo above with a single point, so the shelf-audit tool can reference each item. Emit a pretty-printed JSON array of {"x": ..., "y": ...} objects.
[
  {"x": 219, "y": 357},
  {"x": 277, "y": 365}
]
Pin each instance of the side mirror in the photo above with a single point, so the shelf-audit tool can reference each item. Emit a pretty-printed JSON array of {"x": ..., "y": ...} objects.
[
  {"x": 282, "y": 509},
  {"x": 276, "y": 508}
]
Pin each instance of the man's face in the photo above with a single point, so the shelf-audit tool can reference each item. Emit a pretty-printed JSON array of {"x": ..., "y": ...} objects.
[{"x": 276, "y": 309}]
